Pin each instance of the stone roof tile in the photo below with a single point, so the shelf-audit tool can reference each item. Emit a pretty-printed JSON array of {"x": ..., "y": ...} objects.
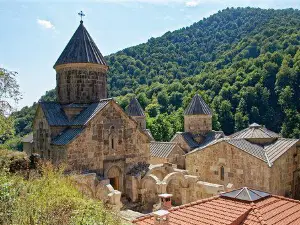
[
  {"x": 197, "y": 106},
  {"x": 134, "y": 108},
  {"x": 81, "y": 49},
  {"x": 54, "y": 113},
  {"x": 87, "y": 114},
  {"x": 189, "y": 138},
  {"x": 255, "y": 131},
  {"x": 67, "y": 136},
  {"x": 161, "y": 149}
]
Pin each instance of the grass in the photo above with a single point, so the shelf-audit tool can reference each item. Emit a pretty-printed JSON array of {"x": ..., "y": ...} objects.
[{"x": 50, "y": 198}]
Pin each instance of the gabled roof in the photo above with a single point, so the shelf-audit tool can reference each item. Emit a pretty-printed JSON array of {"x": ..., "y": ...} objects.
[
  {"x": 54, "y": 113},
  {"x": 197, "y": 106},
  {"x": 253, "y": 149},
  {"x": 218, "y": 210},
  {"x": 67, "y": 136},
  {"x": 86, "y": 115},
  {"x": 134, "y": 108},
  {"x": 268, "y": 153},
  {"x": 276, "y": 149},
  {"x": 189, "y": 138},
  {"x": 81, "y": 49},
  {"x": 255, "y": 131},
  {"x": 161, "y": 149}
]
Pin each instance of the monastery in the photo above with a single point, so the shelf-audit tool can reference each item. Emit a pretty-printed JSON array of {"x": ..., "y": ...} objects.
[{"x": 119, "y": 162}]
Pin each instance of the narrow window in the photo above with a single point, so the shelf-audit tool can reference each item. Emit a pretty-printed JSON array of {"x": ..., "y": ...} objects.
[
  {"x": 111, "y": 137},
  {"x": 112, "y": 143},
  {"x": 222, "y": 172}
]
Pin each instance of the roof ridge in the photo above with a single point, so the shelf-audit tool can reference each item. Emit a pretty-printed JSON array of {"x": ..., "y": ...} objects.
[
  {"x": 257, "y": 213},
  {"x": 194, "y": 203},
  {"x": 164, "y": 142},
  {"x": 287, "y": 199}
]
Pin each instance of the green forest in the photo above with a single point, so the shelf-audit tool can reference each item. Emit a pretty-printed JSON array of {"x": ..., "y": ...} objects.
[{"x": 244, "y": 62}]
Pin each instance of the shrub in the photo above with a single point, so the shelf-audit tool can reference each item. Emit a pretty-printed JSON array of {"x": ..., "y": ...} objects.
[{"x": 48, "y": 199}]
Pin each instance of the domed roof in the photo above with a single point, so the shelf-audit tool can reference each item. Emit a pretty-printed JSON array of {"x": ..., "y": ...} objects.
[
  {"x": 255, "y": 131},
  {"x": 81, "y": 49}
]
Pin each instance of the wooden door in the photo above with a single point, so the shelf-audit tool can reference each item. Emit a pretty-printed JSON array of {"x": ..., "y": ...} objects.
[{"x": 114, "y": 182}]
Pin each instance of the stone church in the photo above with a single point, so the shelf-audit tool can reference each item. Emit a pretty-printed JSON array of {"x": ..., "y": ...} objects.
[
  {"x": 113, "y": 150},
  {"x": 85, "y": 129}
]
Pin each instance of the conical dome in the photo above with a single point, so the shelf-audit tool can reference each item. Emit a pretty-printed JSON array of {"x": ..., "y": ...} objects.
[
  {"x": 134, "y": 108},
  {"x": 81, "y": 49},
  {"x": 197, "y": 106}
]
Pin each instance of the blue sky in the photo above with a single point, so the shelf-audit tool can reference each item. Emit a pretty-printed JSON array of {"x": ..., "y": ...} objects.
[{"x": 34, "y": 33}]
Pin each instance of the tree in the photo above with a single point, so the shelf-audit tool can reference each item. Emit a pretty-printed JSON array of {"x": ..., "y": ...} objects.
[
  {"x": 226, "y": 117},
  {"x": 153, "y": 109},
  {"x": 9, "y": 92}
]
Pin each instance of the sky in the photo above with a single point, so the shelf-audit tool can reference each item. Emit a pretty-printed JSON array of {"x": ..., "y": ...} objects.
[{"x": 34, "y": 33}]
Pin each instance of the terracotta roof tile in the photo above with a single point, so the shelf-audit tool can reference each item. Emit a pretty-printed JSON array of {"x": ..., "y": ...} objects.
[{"x": 275, "y": 210}]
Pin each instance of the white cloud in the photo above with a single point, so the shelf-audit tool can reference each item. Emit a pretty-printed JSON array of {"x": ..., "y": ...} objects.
[
  {"x": 45, "y": 23},
  {"x": 192, "y": 3}
]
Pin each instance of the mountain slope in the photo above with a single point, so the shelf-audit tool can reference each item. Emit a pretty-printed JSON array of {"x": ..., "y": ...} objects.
[{"x": 245, "y": 62}]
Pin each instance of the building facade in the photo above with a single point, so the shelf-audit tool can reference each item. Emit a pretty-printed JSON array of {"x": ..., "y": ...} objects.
[{"x": 86, "y": 130}]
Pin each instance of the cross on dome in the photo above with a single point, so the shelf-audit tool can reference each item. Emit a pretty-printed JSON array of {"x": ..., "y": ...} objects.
[{"x": 81, "y": 14}]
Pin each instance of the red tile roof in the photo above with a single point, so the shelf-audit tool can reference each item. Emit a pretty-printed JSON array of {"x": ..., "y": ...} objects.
[{"x": 219, "y": 210}]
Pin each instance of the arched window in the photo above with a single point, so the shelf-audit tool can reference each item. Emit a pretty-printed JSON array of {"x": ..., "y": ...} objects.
[{"x": 222, "y": 173}]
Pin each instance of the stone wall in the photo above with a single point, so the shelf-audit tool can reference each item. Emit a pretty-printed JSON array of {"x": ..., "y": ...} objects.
[
  {"x": 198, "y": 124},
  {"x": 81, "y": 82},
  {"x": 181, "y": 142},
  {"x": 111, "y": 139},
  {"x": 240, "y": 168},
  {"x": 175, "y": 157},
  {"x": 141, "y": 120},
  {"x": 41, "y": 135},
  {"x": 166, "y": 178},
  {"x": 281, "y": 181}
]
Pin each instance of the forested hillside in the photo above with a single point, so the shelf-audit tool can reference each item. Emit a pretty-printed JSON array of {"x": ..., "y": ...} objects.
[{"x": 245, "y": 63}]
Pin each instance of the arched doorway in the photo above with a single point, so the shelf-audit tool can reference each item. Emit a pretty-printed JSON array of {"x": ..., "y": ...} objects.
[{"x": 115, "y": 176}]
